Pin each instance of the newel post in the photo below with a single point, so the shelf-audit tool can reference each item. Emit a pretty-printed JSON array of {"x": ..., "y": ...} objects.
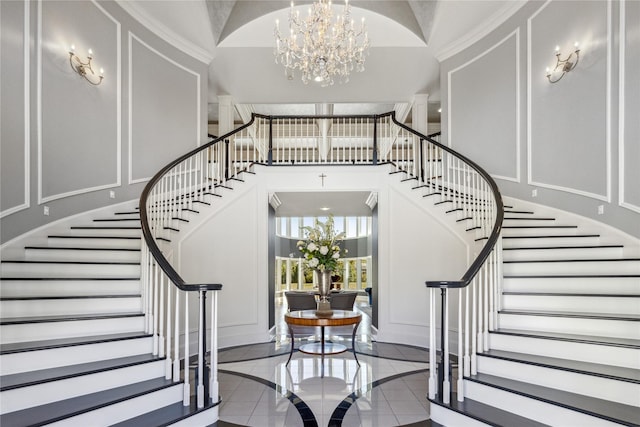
[
  {"x": 375, "y": 140},
  {"x": 270, "y": 154}
]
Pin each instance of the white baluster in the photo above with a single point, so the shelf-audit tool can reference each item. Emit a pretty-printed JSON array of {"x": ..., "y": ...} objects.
[
  {"x": 161, "y": 312},
  {"x": 461, "y": 360},
  {"x": 214, "y": 386},
  {"x": 176, "y": 340},
  {"x": 480, "y": 284},
  {"x": 169, "y": 359},
  {"x": 201, "y": 349},
  {"x": 433, "y": 383},
  {"x": 156, "y": 314},
  {"x": 485, "y": 271},
  {"x": 474, "y": 328},
  {"x": 446, "y": 386},
  {"x": 187, "y": 380}
]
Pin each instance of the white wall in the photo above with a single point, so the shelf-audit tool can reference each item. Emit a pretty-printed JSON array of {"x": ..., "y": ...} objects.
[
  {"x": 416, "y": 243},
  {"x": 66, "y": 143},
  {"x": 573, "y": 141}
]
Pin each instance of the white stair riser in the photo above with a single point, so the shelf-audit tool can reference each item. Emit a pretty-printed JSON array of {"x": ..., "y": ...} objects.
[
  {"x": 44, "y": 307},
  {"x": 78, "y": 242},
  {"x": 531, "y": 408},
  {"x": 570, "y": 325},
  {"x": 64, "y": 356},
  {"x": 551, "y": 268},
  {"x": 62, "y": 288},
  {"x": 451, "y": 418},
  {"x": 585, "y": 352},
  {"x": 589, "y": 385},
  {"x": 536, "y": 242},
  {"x": 24, "y": 332},
  {"x": 572, "y": 304},
  {"x": 82, "y": 255},
  {"x": 122, "y": 411},
  {"x": 40, "y": 394},
  {"x": 539, "y": 231},
  {"x": 53, "y": 270},
  {"x": 203, "y": 418},
  {"x": 572, "y": 253},
  {"x": 127, "y": 232},
  {"x": 527, "y": 222},
  {"x": 585, "y": 285}
]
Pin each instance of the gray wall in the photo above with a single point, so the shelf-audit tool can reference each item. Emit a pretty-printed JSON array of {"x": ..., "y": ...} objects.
[
  {"x": 65, "y": 143},
  {"x": 576, "y": 142}
]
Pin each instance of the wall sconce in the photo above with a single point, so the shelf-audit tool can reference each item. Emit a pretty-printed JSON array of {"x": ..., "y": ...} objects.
[
  {"x": 563, "y": 66},
  {"x": 84, "y": 68}
]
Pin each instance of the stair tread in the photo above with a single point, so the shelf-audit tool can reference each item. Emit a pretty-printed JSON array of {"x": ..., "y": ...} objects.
[
  {"x": 69, "y": 297},
  {"x": 58, "y": 279},
  {"x": 552, "y": 236},
  {"x": 25, "y": 379},
  {"x": 486, "y": 413},
  {"x": 81, "y": 248},
  {"x": 587, "y": 368},
  {"x": 533, "y": 248},
  {"x": 71, "y": 236},
  {"x": 606, "y": 409},
  {"x": 55, "y": 411},
  {"x": 548, "y": 276},
  {"x": 20, "y": 347},
  {"x": 570, "y": 294},
  {"x": 539, "y": 261},
  {"x": 29, "y": 261},
  {"x": 626, "y": 316},
  {"x": 65, "y": 318},
  {"x": 103, "y": 227},
  {"x": 163, "y": 416},
  {"x": 588, "y": 339}
]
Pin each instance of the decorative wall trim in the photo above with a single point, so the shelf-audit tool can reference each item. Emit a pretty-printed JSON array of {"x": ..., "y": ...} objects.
[
  {"x": 516, "y": 32},
  {"x": 498, "y": 18},
  {"x": 118, "y": 182},
  {"x": 622, "y": 112},
  {"x": 132, "y": 36},
  {"x": 27, "y": 116},
  {"x": 530, "y": 181},
  {"x": 165, "y": 33}
]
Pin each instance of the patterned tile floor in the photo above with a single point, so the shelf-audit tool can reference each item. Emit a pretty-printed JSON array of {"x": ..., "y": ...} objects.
[{"x": 388, "y": 389}]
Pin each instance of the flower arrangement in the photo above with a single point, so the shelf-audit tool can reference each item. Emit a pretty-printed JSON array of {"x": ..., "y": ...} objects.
[{"x": 321, "y": 247}]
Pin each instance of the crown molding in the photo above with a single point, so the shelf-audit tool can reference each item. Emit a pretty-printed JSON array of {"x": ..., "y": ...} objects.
[
  {"x": 479, "y": 32},
  {"x": 166, "y": 33}
]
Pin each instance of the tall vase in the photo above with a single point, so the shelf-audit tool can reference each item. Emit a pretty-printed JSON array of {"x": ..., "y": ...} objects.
[{"x": 323, "y": 279}]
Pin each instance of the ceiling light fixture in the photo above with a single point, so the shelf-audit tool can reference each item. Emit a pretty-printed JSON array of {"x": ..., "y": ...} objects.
[
  {"x": 321, "y": 48},
  {"x": 324, "y": 209}
]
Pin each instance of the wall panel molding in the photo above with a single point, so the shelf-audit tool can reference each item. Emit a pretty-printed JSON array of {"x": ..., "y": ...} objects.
[
  {"x": 131, "y": 38},
  {"x": 608, "y": 100},
  {"x": 622, "y": 184},
  {"x": 27, "y": 116},
  {"x": 118, "y": 90},
  {"x": 513, "y": 35}
]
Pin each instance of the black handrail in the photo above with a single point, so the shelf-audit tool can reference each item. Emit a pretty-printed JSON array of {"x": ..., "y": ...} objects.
[
  {"x": 157, "y": 254},
  {"x": 497, "y": 226}
]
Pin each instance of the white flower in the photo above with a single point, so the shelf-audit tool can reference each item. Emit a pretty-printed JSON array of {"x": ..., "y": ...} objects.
[
  {"x": 300, "y": 243},
  {"x": 336, "y": 255},
  {"x": 324, "y": 250},
  {"x": 313, "y": 262},
  {"x": 311, "y": 247}
]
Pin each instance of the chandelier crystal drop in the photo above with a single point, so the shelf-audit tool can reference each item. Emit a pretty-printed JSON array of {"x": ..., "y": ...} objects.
[{"x": 323, "y": 49}]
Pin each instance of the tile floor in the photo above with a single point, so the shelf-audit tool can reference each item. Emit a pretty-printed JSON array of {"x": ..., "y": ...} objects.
[{"x": 388, "y": 389}]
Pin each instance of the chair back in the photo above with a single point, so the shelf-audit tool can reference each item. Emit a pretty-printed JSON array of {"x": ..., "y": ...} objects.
[
  {"x": 301, "y": 301},
  {"x": 343, "y": 300}
]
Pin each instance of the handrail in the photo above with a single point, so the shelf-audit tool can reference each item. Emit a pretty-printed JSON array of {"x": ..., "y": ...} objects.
[
  {"x": 497, "y": 227},
  {"x": 164, "y": 264}
]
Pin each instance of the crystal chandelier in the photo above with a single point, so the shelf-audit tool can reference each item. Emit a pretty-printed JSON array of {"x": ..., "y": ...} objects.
[{"x": 320, "y": 47}]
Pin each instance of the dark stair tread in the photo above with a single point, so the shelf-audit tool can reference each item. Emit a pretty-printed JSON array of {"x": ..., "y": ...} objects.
[
  {"x": 28, "y": 261},
  {"x": 586, "y": 339},
  {"x": 554, "y": 236},
  {"x": 539, "y": 226},
  {"x": 533, "y": 248},
  {"x": 65, "y": 318},
  {"x": 164, "y": 416},
  {"x": 64, "y": 279},
  {"x": 535, "y": 218},
  {"x": 518, "y": 212},
  {"x": 29, "y": 378},
  {"x": 601, "y": 316},
  {"x": 51, "y": 412},
  {"x": 486, "y": 413},
  {"x": 67, "y": 236},
  {"x": 605, "y": 409},
  {"x": 590, "y": 260},
  {"x": 102, "y": 227},
  {"x": 70, "y": 297},
  {"x": 567, "y": 276},
  {"x": 115, "y": 219},
  {"x": 21, "y": 347},
  {"x": 586, "y": 368},
  {"x": 127, "y": 213},
  {"x": 69, "y": 248}
]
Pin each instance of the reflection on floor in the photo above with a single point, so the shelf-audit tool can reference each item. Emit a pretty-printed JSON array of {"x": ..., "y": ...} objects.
[{"x": 388, "y": 389}]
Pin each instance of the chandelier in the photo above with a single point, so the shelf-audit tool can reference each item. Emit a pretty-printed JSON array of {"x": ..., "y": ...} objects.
[{"x": 321, "y": 48}]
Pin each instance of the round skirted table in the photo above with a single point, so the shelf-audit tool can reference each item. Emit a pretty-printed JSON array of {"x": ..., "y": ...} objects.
[{"x": 309, "y": 318}]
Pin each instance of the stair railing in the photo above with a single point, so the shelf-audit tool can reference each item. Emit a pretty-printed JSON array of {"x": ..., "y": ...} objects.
[
  {"x": 439, "y": 172},
  {"x": 173, "y": 193},
  {"x": 468, "y": 190}
]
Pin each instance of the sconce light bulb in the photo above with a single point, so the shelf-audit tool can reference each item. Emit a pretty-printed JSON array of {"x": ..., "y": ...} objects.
[
  {"x": 575, "y": 45},
  {"x": 557, "y": 48},
  {"x": 101, "y": 72},
  {"x": 548, "y": 70},
  {"x": 90, "y": 53},
  {"x": 72, "y": 48}
]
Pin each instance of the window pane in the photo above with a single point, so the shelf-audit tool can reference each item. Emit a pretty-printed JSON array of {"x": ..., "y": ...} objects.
[
  {"x": 363, "y": 226},
  {"x": 352, "y": 227},
  {"x": 295, "y": 227},
  {"x": 338, "y": 223}
]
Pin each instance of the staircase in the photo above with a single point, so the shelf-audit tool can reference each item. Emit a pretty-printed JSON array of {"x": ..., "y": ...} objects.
[
  {"x": 75, "y": 348},
  {"x": 566, "y": 349}
]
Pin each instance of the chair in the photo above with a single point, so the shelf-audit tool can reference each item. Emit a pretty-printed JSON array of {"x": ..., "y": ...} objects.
[
  {"x": 343, "y": 300},
  {"x": 301, "y": 301}
]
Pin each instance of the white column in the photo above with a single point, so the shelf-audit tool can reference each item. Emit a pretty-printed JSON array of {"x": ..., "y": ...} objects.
[
  {"x": 225, "y": 114},
  {"x": 419, "y": 116}
]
